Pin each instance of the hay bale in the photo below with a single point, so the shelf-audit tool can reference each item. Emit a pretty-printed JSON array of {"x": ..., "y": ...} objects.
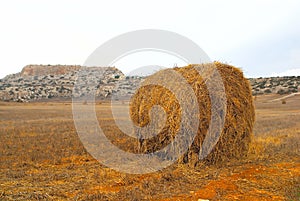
[{"x": 237, "y": 131}]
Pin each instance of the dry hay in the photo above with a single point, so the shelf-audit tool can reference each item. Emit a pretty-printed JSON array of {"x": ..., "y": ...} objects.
[{"x": 237, "y": 131}]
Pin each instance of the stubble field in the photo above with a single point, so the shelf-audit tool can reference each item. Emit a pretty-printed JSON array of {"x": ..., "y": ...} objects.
[{"x": 42, "y": 158}]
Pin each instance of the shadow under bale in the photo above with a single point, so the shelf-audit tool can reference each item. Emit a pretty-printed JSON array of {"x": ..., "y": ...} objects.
[{"x": 236, "y": 133}]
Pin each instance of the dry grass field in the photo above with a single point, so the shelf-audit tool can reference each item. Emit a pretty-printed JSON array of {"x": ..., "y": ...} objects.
[{"x": 42, "y": 158}]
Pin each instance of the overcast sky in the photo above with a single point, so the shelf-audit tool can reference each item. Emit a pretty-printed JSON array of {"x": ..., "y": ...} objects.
[{"x": 261, "y": 37}]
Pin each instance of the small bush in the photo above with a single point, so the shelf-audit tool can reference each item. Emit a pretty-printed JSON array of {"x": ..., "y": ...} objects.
[{"x": 268, "y": 91}]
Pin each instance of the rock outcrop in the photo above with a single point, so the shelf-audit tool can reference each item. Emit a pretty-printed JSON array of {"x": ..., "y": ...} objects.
[{"x": 39, "y": 70}]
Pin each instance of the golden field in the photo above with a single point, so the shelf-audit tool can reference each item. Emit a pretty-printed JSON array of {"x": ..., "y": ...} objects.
[{"x": 42, "y": 158}]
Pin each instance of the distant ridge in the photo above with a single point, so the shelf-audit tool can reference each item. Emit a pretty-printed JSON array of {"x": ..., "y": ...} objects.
[
  {"x": 275, "y": 85},
  {"x": 43, "y": 82}
]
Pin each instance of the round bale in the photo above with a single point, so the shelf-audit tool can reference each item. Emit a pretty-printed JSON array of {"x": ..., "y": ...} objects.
[{"x": 236, "y": 133}]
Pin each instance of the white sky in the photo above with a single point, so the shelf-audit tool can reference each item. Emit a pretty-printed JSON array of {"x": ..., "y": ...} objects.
[{"x": 260, "y": 36}]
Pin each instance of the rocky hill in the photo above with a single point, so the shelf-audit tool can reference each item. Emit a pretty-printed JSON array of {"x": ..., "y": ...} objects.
[
  {"x": 44, "y": 82},
  {"x": 41, "y": 82}
]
